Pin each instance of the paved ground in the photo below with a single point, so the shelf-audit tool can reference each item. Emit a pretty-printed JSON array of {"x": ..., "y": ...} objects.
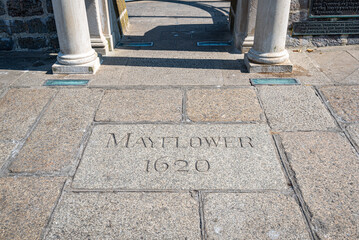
[{"x": 173, "y": 142}]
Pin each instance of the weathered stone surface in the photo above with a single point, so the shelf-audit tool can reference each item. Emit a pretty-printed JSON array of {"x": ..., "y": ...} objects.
[
  {"x": 5, "y": 151},
  {"x": 285, "y": 67},
  {"x": 327, "y": 170},
  {"x": 4, "y": 25},
  {"x": 32, "y": 42},
  {"x": 344, "y": 100},
  {"x": 180, "y": 157},
  {"x": 19, "y": 109},
  {"x": 253, "y": 216},
  {"x": 26, "y": 205},
  {"x": 2, "y": 88},
  {"x": 340, "y": 66},
  {"x": 18, "y": 26},
  {"x": 52, "y": 146},
  {"x": 2, "y": 8},
  {"x": 141, "y": 105},
  {"x": 222, "y": 105},
  {"x": 292, "y": 108},
  {"x": 36, "y": 25},
  {"x": 86, "y": 68},
  {"x": 304, "y": 69},
  {"x": 9, "y": 76},
  {"x": 49, "y": 6},
  {"x": 126, "y": 216},
  {"x": 51, "y": 25},
  {"x": 6, "y": 44},
  {"x": 36, "y": 78},
  {"x": 171, "y": 68},
  {"x": 354, "y": 132},
  {"x": 354, "y": 53},
  {"x": 24, "y": 8}
]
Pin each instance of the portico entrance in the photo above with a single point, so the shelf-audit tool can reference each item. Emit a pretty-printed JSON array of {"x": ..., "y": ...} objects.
[{"x": 268, "y": 54}]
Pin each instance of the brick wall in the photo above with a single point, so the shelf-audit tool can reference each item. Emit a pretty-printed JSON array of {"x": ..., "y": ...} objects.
[{"x": 27, "y": 25}]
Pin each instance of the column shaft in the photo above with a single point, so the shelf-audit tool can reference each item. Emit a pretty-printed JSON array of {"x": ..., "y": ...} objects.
[
  {"x": 244, "y": 25},
  {"x": 271, "y": 32},
  {"x": 76, "y": 54}
]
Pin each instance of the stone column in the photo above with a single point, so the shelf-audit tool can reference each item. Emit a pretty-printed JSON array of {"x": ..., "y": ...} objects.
[
  {"x": 268, "y": 53},
  {"x": 244, "y": 25},
  {"x": 98, "y": 40},
  {"x": 76, "y": 54},
  {"x": 106, "y": 23}
]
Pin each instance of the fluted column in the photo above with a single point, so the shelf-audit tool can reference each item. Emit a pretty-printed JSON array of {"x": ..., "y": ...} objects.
[
  {"x": 244, "y": 25},
  {"x": 268, "y": 53},
  {"x": 76, "y": 54}
]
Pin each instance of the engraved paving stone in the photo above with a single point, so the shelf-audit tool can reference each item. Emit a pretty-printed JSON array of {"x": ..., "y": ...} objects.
[{"x": 180, "y": 157}]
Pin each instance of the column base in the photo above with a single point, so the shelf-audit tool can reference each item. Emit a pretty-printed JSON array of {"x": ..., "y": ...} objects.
[
  {"x": 100, "y": 46},
  {"x": 87, "y": 68},
  {"x": 285, "y": 67},
  {"x": 247, "y": 44},
  {"x": 244, "y": 44}
]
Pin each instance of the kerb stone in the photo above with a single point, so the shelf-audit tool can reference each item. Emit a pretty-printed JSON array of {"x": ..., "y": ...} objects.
[{"x": 180, "y": 157}]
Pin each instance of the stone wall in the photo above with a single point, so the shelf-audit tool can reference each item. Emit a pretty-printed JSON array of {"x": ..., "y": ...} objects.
[
  {"x": 27, "y": 25},
  {"x": 300, "y": 12}
]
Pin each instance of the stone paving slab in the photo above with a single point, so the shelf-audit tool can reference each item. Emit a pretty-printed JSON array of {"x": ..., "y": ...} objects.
[
  {"x": 126, "y": 216},
  {"x": 52, "y": 146},
  {"x": 180, "y": 157},
  {"x": 354, "y": 133},
  {"x": 150, "y": 105},
  {"x": 295, "y": 108},
  {"x": 36, "y": 78},
  {"x": 26, "y": 204},
  {"x": 354, "y": 53},
  {"x": 326, "y": 168},
  {"x": 353, "y": 78},
  {"x": 19, "y": 109},
  {"x": 253, "y": 216},
  {"x": 224, "y": 105},
  {"x": 9, "y": 76},
  {"x": 337, "y": 65},
  {"x": 2, "y": 88},
  {"x": 5, "y": 151},
  {"x": 149, "y": 70},
  {"x": 344, "y": 100},
  {"x": 304, "y": 69}
]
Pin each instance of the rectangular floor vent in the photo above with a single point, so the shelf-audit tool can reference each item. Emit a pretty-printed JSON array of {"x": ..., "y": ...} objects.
[
  {"x": 274, "y": 81},
  {"x": 136, "y": 44},
  {"x": 214, "y": 44},
  {"x": 66, "y": 82}
]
